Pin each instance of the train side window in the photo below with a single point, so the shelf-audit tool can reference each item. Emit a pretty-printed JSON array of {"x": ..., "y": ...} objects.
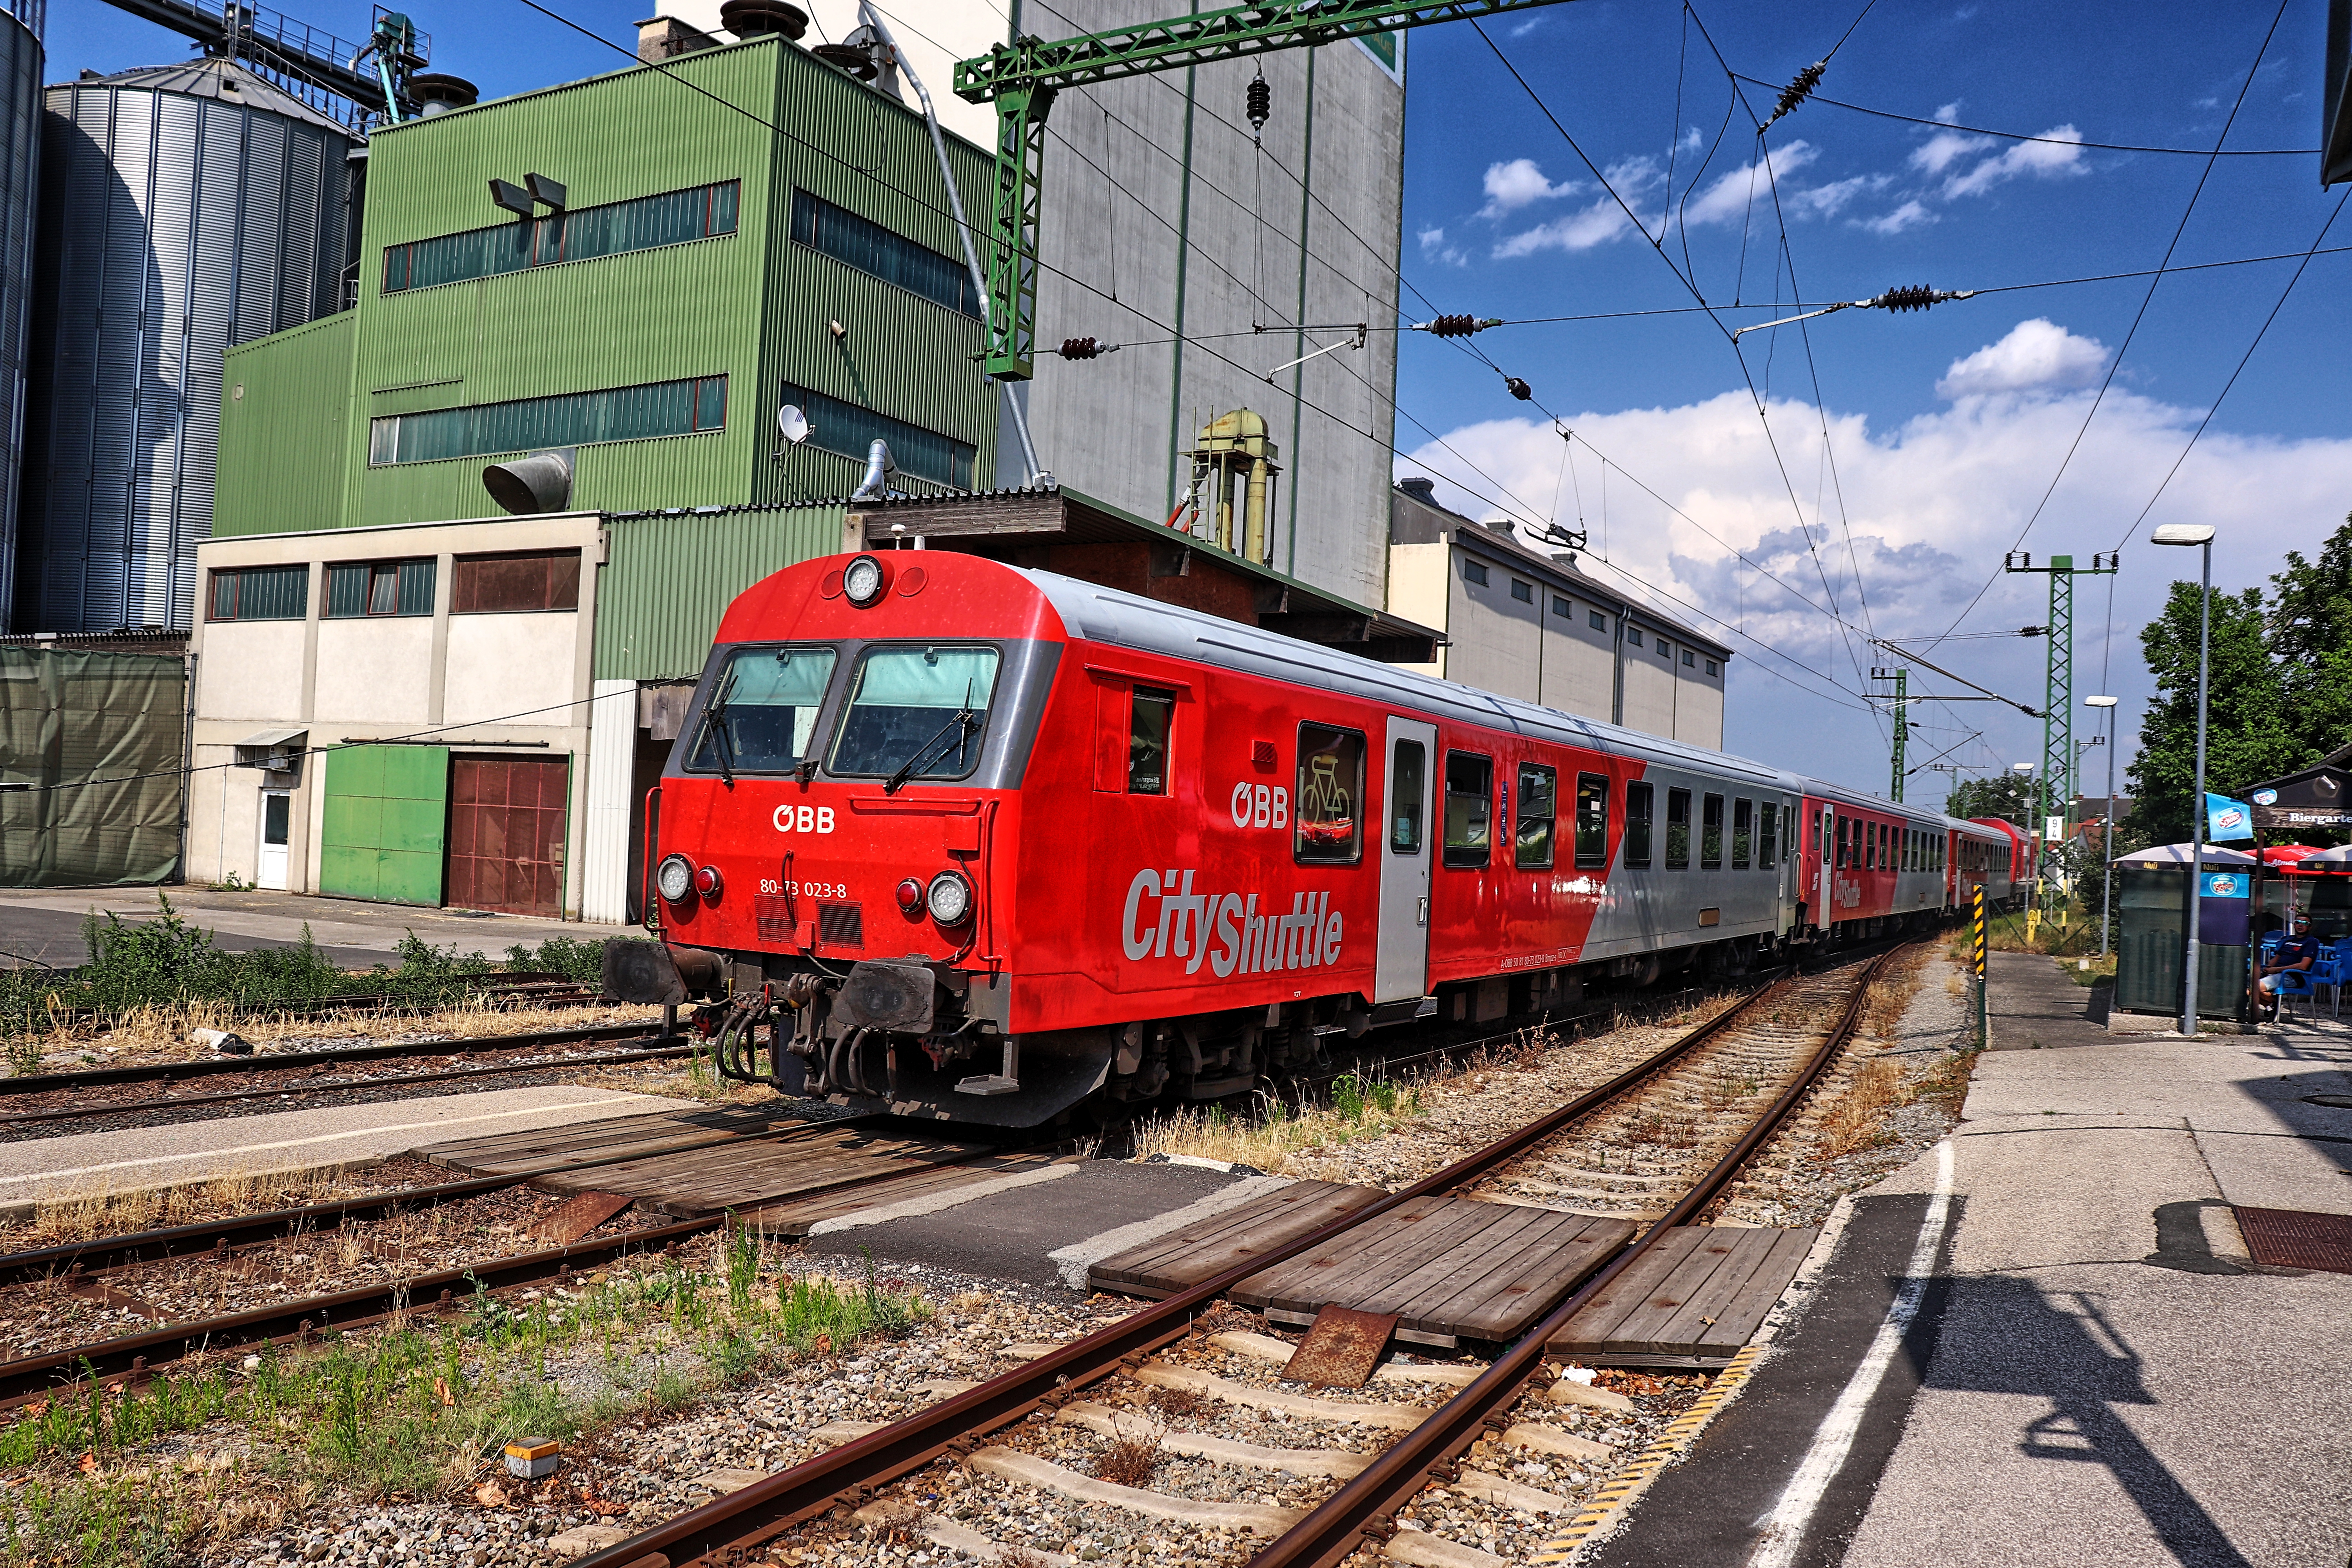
[
  {"x": 1638, "y": 799},
  {"x": 1743, "y": 833},
  {"x": 1710, "y": 834},
  {"x": 1592, "y": 822},
  {"x": 1870, "y": 845},
  {"x": 1469, "y": 809},
  {"x": 1678, "y": 830},
  {"x": 1151, "y": 719},
  {"x": 1768, "y": 835},
  {"x": 1844, "y": 842},
  {"x": 1531, "y": 850},
  {"x": 1327, "y": 823},
  {"x": 1405, "y": 777}
]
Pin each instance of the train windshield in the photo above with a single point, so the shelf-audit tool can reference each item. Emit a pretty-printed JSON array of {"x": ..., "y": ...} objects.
[
  {"x": 763, "y": 710},
  {"x": 916, "y": 713}
]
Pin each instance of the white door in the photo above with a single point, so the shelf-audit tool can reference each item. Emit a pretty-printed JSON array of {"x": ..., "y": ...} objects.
[
  {"x": 276, "y": 814},
  {"x": 1823, "y": 912},
  {"x": 1411, "y": 759}
]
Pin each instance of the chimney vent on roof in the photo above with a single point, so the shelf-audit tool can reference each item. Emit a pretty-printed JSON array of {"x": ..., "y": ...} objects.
[
  {"x": 665, "y": 37},
  {"x": 1420, "y": 490},
  {"x": 752, "y": 18}
]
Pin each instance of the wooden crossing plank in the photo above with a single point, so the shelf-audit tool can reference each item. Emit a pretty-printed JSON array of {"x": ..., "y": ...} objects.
[
  {"x": 1183, "y": 1258},
  {"x": 748, "y": 1173},
  {"x": 1693, "y": 1301},
  {"x": 555, "y": 1148},
  {"x": 1448, "y": 1268}
]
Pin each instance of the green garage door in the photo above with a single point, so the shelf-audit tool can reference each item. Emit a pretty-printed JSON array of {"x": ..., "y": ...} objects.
[{"x": 387, "y": 819}]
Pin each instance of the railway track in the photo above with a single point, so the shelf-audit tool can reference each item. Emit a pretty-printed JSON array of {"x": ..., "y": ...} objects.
[{"x": 1738, "y": 1079}]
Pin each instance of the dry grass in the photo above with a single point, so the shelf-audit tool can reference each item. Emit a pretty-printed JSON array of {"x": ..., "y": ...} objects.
[
  {"x": 896, "y": 1522},
  {"x": 1132, "y": 1456},
  {"x": 1661, "y": 1129},
  {"x": 163, "y": 1032},
  {"x": 1274, "y": 1133},
  {"x": 98, "y": 1211},
  {"x": 1175, "y": 1400},
  {"x": 1853, "y": 1120}
]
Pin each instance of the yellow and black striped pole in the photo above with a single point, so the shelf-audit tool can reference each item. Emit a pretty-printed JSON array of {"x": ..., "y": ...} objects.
[{"x": 1977, "y": 962}]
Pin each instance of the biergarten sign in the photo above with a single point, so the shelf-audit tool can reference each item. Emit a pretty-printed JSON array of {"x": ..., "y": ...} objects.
[{"x": 2316, "y": 797}]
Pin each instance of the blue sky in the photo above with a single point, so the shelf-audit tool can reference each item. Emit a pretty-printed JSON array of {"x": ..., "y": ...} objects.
[{"x": 1908, "y": 451}]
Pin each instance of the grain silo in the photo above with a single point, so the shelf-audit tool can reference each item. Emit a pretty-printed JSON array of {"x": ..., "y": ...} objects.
[
  {"x": 20, "y": 162},
  {"x": 182, "y": 208}
]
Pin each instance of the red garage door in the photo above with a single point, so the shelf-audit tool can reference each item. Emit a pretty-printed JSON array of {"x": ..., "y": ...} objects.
[{"x": 506, "y": 832}]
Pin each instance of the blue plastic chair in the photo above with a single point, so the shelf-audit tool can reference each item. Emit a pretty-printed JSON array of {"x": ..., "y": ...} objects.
[{"x": 2306, "y": 982}]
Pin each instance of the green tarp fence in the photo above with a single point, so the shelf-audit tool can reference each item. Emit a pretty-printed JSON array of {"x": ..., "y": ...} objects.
[{"x": 90, "y": 780}]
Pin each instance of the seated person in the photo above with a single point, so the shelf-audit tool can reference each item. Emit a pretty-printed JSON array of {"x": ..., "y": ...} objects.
[{"x": 2297, "y": 951}]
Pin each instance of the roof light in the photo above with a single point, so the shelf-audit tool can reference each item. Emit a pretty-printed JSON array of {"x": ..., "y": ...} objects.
[{"x": 863, "y": 581}]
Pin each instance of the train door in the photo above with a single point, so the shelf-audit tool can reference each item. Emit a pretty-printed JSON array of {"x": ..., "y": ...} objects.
[
  {"x": 1825, "y": 911},
  {"x": 1402, "y": 970}
]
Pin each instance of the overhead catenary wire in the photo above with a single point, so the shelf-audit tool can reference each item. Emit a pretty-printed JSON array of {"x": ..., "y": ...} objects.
[{"x": 2054, "y": 140}]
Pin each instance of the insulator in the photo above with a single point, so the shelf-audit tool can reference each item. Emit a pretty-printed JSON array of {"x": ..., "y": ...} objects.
[
  {"x": 1261, "y": 104},
  {"x": 1918, "y": 297},
  {"x": 1080, "y": 348},
  {"x": 1519, "y": 389},
  {"x": 1453, "y": 326},
  {"x": 1800, "y": 89}
]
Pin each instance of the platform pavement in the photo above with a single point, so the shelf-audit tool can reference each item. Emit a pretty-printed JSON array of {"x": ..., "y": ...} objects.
[
  {"x": 43, "y": 925},
  {"x": 86, "y": 1164},
  {"x": 2098, "y": 1377}
]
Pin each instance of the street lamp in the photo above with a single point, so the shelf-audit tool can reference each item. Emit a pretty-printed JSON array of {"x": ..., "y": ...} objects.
[
  {"x": 2107, "y": 839},
  {"x": 2200, "y": 535}
]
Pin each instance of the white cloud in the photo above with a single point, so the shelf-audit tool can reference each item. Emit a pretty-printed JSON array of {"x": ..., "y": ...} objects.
[
  {"x": 2052, "y": 158},
  {"x": 1935, "y": 154},
  {"x": 1910, "y": 214},
  {"x": 1725, "y": 199},
  {"x": 1598, "y": 224},
  {"x": 2036, "y": 355},
  {"x": 1435, "y": 248},
  {"x": 1930, "y": 506},
  {"x": 1517, "y": 183},
  {"x": 1827, "y": 201}
]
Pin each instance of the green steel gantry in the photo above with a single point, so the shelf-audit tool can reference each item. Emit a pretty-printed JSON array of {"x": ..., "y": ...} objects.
[
  {"x": 1902, "y": 679},
  {"x": 1023, "y": 78},
  {"x": 2057, "y": 772}
]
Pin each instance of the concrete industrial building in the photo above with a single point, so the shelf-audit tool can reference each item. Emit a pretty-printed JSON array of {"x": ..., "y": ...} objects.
[
  {"x": 21, "y": 58},
  {"x": 1522, "y": 623}
]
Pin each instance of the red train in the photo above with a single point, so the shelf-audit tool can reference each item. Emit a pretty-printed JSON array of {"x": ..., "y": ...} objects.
[{"x": 985, "y": 844}]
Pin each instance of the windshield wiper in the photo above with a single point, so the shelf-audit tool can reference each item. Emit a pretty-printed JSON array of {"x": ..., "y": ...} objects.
[
  {"x": 714, "y": 721},
  {"x": 964, "y": 722}
]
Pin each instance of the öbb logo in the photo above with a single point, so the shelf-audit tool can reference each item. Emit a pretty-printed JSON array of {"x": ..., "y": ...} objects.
[
  {"x": 1225, "y": 929},
  {"x": 803, "y": 818},
  {"x": 1261, "y": 805}
]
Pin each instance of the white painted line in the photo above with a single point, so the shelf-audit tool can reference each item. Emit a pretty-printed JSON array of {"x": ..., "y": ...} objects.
[
  {"x": 1074, "y": 1258},
  {"x": 194, "y": 1154},
  {"x": 1784, "y": 1524},
  {"x": 932, "y": 1203}
]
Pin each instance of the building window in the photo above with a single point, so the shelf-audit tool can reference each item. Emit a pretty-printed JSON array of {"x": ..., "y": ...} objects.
[
  {"x": 1474, "y": 572},
  {"x": 522, "y": 580},
  {"x": 569, "y": 420},
  {"x": 1712, "y": 669},
  {"x": 850, "y": 430},
  {"x": 1561, "y": 606},
  {"x": 1531, "y": 850},
  {"x": 1469, "y": 807},
  {"x": 1633, "y": 635},
  {"x": 877, "y": 252},
  {"x": 1678, "y": 830},
  {"x": 1710, "y": 834},
  {"x": 261, "y": 594},
  {"x": 1525, "y": 593},
  {"x": 1687, "y": 656},
  {"x": 646, "y": 223},
  {"x": 1329, "y": 821},
  {"x": 1663, "y": 652},
  {"x": 1743, "y": 833},
  {"x": 1768, "y": 828},
  {"x": 1638, "y": 798},
  {"x": 380, "y": 588},
  {"x": 1150, "y": 720}
]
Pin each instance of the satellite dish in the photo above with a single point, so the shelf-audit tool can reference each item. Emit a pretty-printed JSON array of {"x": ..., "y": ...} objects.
[{"x": 792, "y": 424}]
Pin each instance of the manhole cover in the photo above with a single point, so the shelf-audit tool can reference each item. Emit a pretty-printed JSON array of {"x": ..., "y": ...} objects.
[{"x": 2291, "y": 1238}]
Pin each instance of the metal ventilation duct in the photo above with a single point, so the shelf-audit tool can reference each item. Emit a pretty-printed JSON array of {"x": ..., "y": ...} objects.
[{"x": 183, "y": 209}]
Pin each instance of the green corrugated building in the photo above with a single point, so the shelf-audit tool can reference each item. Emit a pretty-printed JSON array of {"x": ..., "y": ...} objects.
[{"x": 700, "y": 269}]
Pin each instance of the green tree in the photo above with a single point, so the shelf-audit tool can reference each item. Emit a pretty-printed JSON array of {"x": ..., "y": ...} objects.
[
  {"x": 2004, "y": 795},
  {"x": 2310, "y": 624},
  {"x": 2248, "y": 734}
]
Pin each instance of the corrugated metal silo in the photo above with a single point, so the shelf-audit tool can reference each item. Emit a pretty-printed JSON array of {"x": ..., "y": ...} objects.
[
  {"x": 20, "y": 162},
  {"x": 183, "y": 209}
]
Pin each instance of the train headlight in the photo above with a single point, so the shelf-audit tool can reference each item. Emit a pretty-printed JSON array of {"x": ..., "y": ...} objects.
[
  {"x": 863, "y": 581},
  {"x": 675, "y": 877},
  {"x": 707, "y": 883},
  {"x": 950, "y": 899}
]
